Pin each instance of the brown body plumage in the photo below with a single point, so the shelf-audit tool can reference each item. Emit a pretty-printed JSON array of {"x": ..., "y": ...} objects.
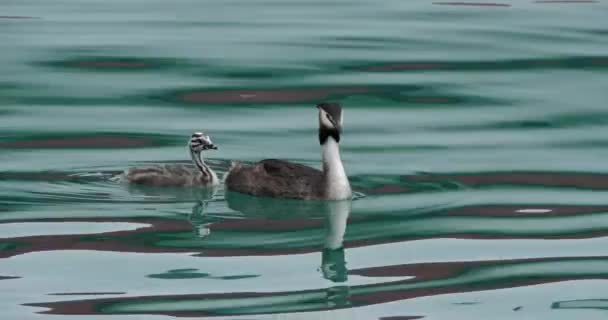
[
  {"x": 276, "y": 178},
  {"x": 283, "y": 179}
]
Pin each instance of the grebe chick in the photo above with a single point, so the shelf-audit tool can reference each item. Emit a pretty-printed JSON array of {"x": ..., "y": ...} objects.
[
  {"x": 177, "y": 175},
  {"x": 283, "y": 179}
]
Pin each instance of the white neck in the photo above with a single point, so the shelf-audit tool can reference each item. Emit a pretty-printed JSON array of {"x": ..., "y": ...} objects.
[{"x": 337, "y": 186}]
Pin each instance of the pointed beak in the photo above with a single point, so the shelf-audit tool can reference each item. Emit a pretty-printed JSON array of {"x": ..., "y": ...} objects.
[
  {"x": 214, "y": 147},
  {"x": 338, "y": 126}
]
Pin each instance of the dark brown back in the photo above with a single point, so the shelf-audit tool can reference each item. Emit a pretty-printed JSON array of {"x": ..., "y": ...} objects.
[{"x": 276, "y": 178}]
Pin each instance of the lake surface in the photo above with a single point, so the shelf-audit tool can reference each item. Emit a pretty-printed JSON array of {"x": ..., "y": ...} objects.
[{"x": 476, "y": 138}]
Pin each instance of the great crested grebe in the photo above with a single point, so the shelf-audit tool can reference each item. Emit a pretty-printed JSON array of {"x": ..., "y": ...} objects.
[
  {"x": 177, "y": 175},
  {"x": 283, "y": 179}
]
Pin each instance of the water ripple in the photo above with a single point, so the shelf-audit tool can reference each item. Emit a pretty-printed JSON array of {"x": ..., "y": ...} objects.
[{"x": 429, "y": 280}]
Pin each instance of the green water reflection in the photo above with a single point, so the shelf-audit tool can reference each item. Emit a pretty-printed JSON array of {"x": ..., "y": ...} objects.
[{"x": 474, "y": 136}]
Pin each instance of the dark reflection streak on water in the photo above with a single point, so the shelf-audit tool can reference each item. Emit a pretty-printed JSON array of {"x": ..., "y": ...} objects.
[
  {"x": 277, "y": 95},
  {"x": 47, "y": 176},
  {"x": 296, "y": 4},
  {"x": 595, "y": 181},
  {"x": 427, "y": 94},
  {"x": 18, "y": 17},
  {"x": 559, "y": 121},
  {"x": 473, "y": 4},
  {"x": 241, "y": 237},
  {"x": 182, "y": 66},
  {"x": 193, "y": 274},
  {"x": 66, "y": 100},
  {"x": 437, "y": 270},
  {"x": 355, "y": 42},
  {"x": 545, "y": 211},
  {"x": 93, "y": 140},
  {"x": 117, "y": 241},
  {"x": 425, "y": 182},
  {"x": 395, "y": 96},
  {"x": 117, "y": 64},
  {"x": 83, "y": 293},
  {"x": 596, "y": 143},
  {"x": 82, "y": 143},
  {"x": 261, "y": 224},
  {"x": 582, "y": 62},
  {"x": 8, "y": 277},
  {"x": 430, "y": 279}
]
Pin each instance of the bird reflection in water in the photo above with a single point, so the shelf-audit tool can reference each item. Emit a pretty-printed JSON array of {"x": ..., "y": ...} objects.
[
  {"x": 335, "y": 215},
  {"x": 201, "y": 197},
  {"x": 198, "y": 218},
  {"x": 333, "y": 263}
]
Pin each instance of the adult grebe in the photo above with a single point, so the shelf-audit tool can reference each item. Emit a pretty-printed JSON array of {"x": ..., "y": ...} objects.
[
  {"x": 176, "y": 175},
  {"x": 283, "y": 179}
]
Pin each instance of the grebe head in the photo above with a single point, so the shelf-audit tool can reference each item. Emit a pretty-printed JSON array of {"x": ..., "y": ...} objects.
[
  {"x": 330, "y": 121},
  {"x": 200, "y": 141}
]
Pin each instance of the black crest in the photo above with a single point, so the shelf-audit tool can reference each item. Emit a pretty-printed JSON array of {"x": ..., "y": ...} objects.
[{"x": 332, "y": 108}]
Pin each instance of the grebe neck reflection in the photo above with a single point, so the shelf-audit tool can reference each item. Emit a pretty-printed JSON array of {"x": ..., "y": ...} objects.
[{"x": 333, "y": 263}]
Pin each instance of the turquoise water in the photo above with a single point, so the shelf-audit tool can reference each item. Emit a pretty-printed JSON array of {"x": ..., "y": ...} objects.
[{"x": 475, "y": 138}]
